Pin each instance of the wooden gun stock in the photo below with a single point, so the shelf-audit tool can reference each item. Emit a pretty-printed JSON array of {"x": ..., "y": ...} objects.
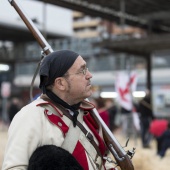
[{"x": 122, "y": 158}]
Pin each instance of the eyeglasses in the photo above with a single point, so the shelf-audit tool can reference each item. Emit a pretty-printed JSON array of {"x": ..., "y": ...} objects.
[{"x": 84, "y": 71}]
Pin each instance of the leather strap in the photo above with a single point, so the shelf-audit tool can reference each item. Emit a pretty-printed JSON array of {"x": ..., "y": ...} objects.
[
  {"x": 73, "y": 135},
  {"x": 88, "y": 135}
]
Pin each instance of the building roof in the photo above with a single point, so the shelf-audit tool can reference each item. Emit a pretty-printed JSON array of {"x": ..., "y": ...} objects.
[
  {"x": 151, "y": 15},
  {"x": 139, "y": 13},
  {"x": 139, "y": 46},
  {"x": 20, "y": 34}
]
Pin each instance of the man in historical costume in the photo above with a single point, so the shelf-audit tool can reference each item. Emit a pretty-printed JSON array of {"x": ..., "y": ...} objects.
[{"x": 60, "y": 116}]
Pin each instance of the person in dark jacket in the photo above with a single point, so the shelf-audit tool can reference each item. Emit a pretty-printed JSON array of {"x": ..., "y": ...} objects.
[
  {"x": 13, "y": 108},
  {"x": 146, "y": 116},
  {"x": 165, "y": 141},
  {"x": 112, "y": 110}
]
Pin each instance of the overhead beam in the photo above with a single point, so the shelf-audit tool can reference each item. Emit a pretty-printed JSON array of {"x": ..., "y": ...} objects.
[
  {"x": 14, "y": 34},
  {"x": 157, "y": 15},
  {"x": 106, "y": 12},
  {"x": 96, "y": 10},
  {"x": 142, "y": 46},
  {"x": 19, "y": 34}
]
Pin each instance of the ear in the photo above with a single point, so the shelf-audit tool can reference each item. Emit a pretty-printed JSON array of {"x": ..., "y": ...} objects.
[{"x": 60, "y": 83}]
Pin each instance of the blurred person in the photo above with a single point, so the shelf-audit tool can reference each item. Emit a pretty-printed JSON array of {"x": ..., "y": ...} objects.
[
  {"x": 136, "y": 120},
  {"x": 112, "y": 110},
  {"x": 14, "y": 107},
  {"x": 101, "y": 108},
  {"x": 1, "y": 118},
  {"x": 126, "y": 121},
  {"x": 146, "y": 117},
  {"x": 164, "y": 140},
  {"x": 55, "y": 117},
  {"x": 157, "y": 128},
  {"x": 51, "y": 157},
  {"x": 0, "y": 110}
]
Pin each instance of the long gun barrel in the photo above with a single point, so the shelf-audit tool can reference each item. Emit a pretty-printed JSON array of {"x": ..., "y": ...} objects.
[{"x": 123, "y": 159}]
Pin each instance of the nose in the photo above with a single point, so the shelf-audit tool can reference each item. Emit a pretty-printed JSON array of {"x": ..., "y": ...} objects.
[{"x": 89, "y": 75}]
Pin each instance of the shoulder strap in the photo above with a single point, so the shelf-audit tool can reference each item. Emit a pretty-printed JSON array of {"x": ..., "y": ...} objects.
[
  {"x": 88, "y": 135},
  {"x": 73, "y": 135}
]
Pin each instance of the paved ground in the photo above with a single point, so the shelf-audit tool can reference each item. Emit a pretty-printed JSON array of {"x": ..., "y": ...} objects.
[
  {"x": 144, "y": 159},
  {"x": 3, "y": 139}
]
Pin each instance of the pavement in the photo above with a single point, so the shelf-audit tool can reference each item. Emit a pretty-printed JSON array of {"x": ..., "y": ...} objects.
[{"x": 3, "y": 139}]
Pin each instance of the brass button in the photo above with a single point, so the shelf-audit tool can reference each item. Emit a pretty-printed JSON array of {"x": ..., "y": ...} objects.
[
  {"x": 49, "y": 112},
  {"x": 59, "y": 124}
]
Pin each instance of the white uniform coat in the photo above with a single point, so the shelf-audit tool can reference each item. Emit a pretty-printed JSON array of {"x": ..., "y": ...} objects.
[{"x": 30, "y": 129}]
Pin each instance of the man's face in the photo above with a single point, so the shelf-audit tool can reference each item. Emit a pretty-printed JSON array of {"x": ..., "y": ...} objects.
[{"x": 78, "y": 81}]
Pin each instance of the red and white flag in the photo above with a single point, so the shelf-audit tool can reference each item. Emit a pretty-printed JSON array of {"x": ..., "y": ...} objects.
[{"x": 125, "y": 85}]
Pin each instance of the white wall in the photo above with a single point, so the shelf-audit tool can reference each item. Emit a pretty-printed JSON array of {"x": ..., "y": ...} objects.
[{"x": 58, "y": 20}]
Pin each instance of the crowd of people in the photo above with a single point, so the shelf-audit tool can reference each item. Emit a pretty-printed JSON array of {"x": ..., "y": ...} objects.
[
  {"x": 140, "y": 120},
  {"x": 152, "y": 127}
]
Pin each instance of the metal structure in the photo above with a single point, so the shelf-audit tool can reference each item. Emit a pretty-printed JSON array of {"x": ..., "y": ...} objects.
[
  {"x": 16, "y": 34},
  {"x": 151, "y": 15},
  {"x": 145, "y": 13}
]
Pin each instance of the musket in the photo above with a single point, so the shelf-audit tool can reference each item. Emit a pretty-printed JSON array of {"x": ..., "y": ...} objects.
[{"x": 122, "y": 157}]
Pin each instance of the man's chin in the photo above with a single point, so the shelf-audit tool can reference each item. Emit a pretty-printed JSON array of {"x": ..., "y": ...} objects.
[{"x": 89, "y": 93}]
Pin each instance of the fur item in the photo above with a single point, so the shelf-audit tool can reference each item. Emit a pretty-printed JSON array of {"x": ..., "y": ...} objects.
[{"x": 51, "y": 157}]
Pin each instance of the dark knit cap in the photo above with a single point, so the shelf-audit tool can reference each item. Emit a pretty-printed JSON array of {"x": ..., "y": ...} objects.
[{"x": 55, "y": 65}]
